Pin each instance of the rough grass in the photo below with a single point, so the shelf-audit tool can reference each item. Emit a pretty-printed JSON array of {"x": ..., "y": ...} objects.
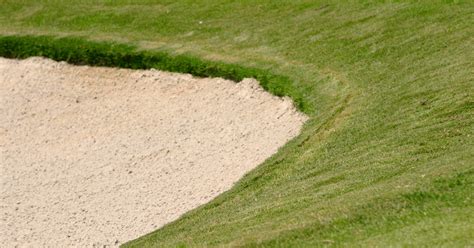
[{"x": 387, "y": 157}]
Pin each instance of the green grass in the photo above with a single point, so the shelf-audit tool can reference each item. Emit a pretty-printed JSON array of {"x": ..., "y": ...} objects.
[{"x": 387, "y": 158}]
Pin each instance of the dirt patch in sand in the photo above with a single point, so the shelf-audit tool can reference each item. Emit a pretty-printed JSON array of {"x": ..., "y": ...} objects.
[{"x": 95, "y": 156}]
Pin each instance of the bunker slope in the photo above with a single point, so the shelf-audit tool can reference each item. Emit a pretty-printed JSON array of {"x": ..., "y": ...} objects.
[{"x": 94, "y": 156}]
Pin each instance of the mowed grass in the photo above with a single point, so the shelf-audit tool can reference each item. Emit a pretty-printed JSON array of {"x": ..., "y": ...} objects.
[{"x": 387, "y": 158}]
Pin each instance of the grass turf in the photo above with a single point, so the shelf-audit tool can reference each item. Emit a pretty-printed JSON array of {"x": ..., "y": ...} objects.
[{"x": 387, "y": 157}]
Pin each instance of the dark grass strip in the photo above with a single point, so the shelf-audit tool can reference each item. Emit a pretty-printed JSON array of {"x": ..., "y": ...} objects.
[{"x": 79, "y": 51}]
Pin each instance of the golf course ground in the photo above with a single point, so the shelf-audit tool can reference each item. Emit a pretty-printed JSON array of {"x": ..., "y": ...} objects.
[{"x": 386, "y": 157}]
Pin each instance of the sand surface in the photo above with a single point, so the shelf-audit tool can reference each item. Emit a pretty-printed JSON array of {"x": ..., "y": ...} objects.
[{"x": 95, "y": 156}]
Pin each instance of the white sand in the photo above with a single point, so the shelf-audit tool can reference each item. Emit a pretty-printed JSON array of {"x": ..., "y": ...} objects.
[{"x": 95, "y": 156}]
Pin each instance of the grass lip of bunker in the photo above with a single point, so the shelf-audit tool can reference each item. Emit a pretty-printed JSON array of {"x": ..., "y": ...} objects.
[{"x": 79, "y": 51}]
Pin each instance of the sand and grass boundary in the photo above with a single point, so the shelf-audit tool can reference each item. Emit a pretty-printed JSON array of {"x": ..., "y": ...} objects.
[
  {"x": 78, "y": 51},
  {"x": 54, "y": 94}
]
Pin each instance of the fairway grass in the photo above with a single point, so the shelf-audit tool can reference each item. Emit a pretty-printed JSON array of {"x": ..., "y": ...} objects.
[{"x": 387, "y": 156}]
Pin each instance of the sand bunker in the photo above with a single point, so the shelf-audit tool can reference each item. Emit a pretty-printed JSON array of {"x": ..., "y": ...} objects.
[{"x": 95, "y": 156}]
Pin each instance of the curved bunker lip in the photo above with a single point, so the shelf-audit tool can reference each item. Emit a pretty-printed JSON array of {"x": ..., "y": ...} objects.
[{"x": 100, "y": 156}]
